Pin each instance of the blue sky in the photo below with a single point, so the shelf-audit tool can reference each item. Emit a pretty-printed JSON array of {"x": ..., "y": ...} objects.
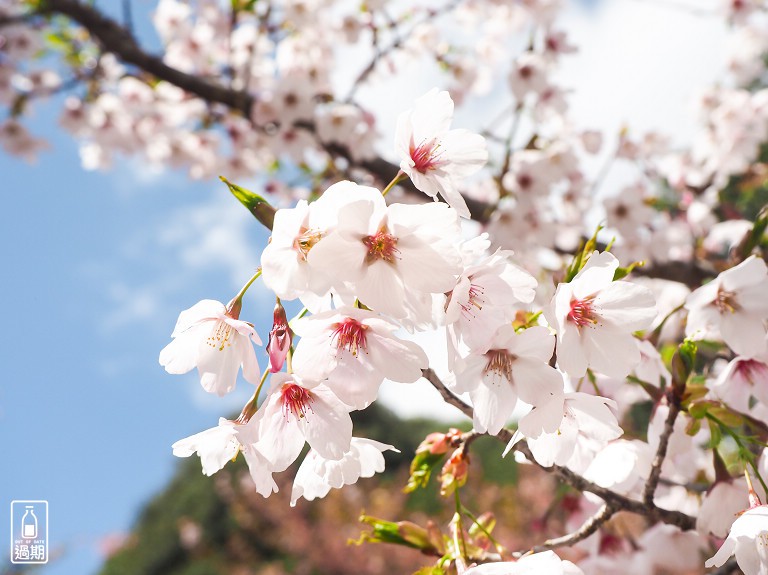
[{"x": 97, "y": 267}]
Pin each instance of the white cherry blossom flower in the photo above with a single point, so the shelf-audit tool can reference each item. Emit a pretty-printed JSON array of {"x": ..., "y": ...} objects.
[
  {"x": 733, "y": 307},
  {"x": 388, "y": 256},
  {"x": 748, "y": 540},
  {"x": 316, "y": 475},
  {"x": 741, "y": 380},
  {"x": 514, "y": 365},
  {"x": 219, "y": 445},
  {"x": 482, "y": 300},
  {"x": 216, "y": 343},
  {"x": 595, "y": 316},
  {"x": 433, "y": 156},
  {"x": 285, "y": 261},
  {"x": 546, "y": 562},
  {"x": 297, "y": 411},
  {"x": 355, "y": 350},
  {"x": 587, "y": 424}
]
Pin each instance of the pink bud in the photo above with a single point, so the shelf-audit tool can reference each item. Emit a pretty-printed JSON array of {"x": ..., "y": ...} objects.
[{"x": 280, "y": 338}]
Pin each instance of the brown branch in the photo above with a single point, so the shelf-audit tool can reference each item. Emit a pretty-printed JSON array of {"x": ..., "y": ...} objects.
[
  {"x": 589, "y": 527},
  {"x": 449, "y": 397},
  {"x": 116, "y": 39},
  {"x": 661, "y": 453}
]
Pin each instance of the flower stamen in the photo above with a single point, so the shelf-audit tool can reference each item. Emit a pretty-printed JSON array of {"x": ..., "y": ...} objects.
[
  {"x": 350, "y": 335},
  {"x": 725, "y": 301},
  {"x": 296, "y": 400},
  {"x": 221, "y": 335},
  {"x": 425, "y": 156},
  {"x": 582, "y": 313},
  {"x": 382, "y": 246},
  {"x": 500, "y": 362},
  {"x": 305, "y": 241}
]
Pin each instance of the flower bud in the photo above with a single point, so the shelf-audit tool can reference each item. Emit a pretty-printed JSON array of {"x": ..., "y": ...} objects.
[
  {"x": 280, "y": 339},
  {"x": 454, "y": 473}
]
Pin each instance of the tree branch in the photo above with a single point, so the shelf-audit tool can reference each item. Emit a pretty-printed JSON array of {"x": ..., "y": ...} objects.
[
  {"x": 589, "y": 527},
  {"x": 661, "y": 453},
  {"x": 449, "y": 397},
  {"x": 116, "y": 39}
]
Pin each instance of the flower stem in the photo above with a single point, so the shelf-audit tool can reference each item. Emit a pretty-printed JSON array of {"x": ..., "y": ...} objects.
[
  {"x": 399, "y": 177},
  {"x": 244, "y": 289}
]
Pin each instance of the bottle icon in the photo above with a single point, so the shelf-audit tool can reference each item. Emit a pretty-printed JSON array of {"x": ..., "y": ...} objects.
[{"x": 29, "y": 523}]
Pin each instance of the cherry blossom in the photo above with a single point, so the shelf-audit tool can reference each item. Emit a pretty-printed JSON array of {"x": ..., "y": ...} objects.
[
  {"x": 587, "y": 424},
  {"x": 297, "y": 411},
  {"x": 732, "y": 307},
  {"x": 514, "y": 365},
  {"x": 545, "y": 562},
  {"x": 433, "y": 156},
  {"x": 595, "y": 317},
  {"x": 377, "y": 250},
  {"x": 316, "y": 475},
  {"x": 208, "y": 338},
  {"x": 218, "y": 445},
  {"x": 354, "y": 350},
  {"x": 746, "y": 540}
]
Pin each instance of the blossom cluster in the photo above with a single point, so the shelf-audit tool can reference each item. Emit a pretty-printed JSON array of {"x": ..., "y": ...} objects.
[{"x": 368, "y": 272}]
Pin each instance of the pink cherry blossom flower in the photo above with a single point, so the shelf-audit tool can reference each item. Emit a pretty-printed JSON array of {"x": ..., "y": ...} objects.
[
  {"x": 746, "y": 540},
  {"x": 316, "y": 475},
  {"x": 546, "y": 562},
  {"x": 595, "y": 316},
  {"x": 216, "y": 343},
  {"x": 355, "y": 350},
  {"x": 733, "y": 307},
  {"x": 433, "y": 156},
  {"x": 218, "y": 445},
  {"x": 514, "y": 365},
  {"x": 297, "y": 411}
]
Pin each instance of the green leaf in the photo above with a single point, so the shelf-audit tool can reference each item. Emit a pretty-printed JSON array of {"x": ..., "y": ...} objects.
[
  {"x": 581, "y": 258},
  {"x": 682, "y": 366},
  {"x": 421, "y": 469},
  {"x": 258, "y": 206},
  {"x": 403, "y": 533},
  {"x": 715, "y": 434},
  {"x": 621, "y": 273}
]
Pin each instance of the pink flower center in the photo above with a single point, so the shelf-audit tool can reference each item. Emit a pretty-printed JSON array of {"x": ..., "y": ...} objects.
[
  {"x": 725, "y": 301},
  {"x": 306, "y": 241},
  {"x": 382, "y": 246},
  {"x": 425, "y": 156},
  {"x": 350, "y": 335},
  {"x": 582, "y": 313},
  {"x": 752, "y": 370},
  {"x": 296, "y": 400},
  {"x": 500, "y": 362}
]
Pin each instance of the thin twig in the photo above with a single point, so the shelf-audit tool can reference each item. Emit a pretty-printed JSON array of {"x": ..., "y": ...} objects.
[
  {"x": 449, "y": 397},
  {"x": 661, "y": 453},
  {"x": 589, "y": 527}
]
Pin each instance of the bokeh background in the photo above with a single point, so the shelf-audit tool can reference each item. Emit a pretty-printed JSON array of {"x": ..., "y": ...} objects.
[{"x": 97, "y": 266}]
